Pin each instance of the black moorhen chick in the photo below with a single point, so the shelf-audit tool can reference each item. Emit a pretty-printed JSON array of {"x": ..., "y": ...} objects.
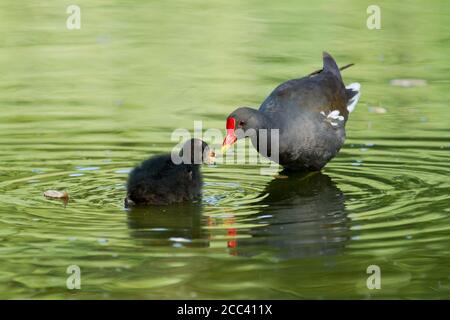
[
  {"x": 160, "y": 181},
  {"x": 310, "y": 114}
]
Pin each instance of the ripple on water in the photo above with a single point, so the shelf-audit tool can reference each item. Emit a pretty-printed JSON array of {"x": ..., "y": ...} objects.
[{"x": 380, "y": 207}]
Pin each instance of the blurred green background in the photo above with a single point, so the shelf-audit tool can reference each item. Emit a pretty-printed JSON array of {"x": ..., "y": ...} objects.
[{"x": 79, "y": 108}]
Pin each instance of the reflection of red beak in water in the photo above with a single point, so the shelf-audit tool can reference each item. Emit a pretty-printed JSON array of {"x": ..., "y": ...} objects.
[
  {"x": 231, "y": 138},
  {"x": 232, "y": 234}
]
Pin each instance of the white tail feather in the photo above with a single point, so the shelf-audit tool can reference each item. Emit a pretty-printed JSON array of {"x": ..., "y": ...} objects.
[{"x": 353, "y": 101}]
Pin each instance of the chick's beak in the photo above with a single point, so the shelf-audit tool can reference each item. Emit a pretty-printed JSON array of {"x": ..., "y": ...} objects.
[
  {"x": 211, "y": 157},
  {"x": 229, "y": 140}
]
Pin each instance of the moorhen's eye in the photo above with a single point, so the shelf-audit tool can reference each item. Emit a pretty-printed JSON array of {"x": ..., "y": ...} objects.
[{"x": 241, "y": 123}]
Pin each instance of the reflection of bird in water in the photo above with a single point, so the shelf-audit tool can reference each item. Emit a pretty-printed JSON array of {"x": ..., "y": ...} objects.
[
  {"x": 171, "y": 225},
  {"x": 305, "y": 216}
]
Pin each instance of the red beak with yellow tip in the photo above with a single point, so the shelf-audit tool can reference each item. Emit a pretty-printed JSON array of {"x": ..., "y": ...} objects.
[{"x": 231, "y": 138}]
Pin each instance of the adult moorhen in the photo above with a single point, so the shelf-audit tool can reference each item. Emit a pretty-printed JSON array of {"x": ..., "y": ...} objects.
[
  {"x": 310, "y": 114},
  {"x": 161, "y": 181}
]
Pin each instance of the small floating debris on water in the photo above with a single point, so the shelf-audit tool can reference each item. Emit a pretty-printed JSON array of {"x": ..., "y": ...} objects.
[
  {"x": 76, "y": 174},
  {"x": 280, "y": 176},
  {"x": 53, "y": 194},
  {"x": 103, "y": 39},
  {"x": 379, "y": 110},
  {"x": 87, "y": 168},
  {"x": 407, "y": 83},
  {"x": 102, "y": 241},
  {"x": 119, "y": 103},
  {"x": 126, "y": 171}
]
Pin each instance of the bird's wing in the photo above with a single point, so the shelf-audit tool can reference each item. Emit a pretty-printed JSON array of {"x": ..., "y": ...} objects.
[
  {"x": 322, "y": 92},
  {"x": 318, "y": 92}
]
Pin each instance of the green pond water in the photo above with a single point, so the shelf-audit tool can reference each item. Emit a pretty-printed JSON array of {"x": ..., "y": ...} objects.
[{"x": 80, "y": 108}]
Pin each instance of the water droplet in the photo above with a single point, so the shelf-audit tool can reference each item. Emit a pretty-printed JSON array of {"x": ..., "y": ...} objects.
[{"x": 379, "y": 110}]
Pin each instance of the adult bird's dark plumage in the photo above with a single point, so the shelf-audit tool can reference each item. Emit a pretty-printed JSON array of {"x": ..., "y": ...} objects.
[
  {"x": 309, "y": 113},
  {"x": 160, "y": 180}
]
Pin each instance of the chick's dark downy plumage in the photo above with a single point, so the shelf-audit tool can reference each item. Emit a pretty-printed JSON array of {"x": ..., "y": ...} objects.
[{"x": 160, "y": 181}]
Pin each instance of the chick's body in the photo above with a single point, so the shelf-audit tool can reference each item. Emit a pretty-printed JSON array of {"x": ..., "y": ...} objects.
[{"x": 160, "y": 181}]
